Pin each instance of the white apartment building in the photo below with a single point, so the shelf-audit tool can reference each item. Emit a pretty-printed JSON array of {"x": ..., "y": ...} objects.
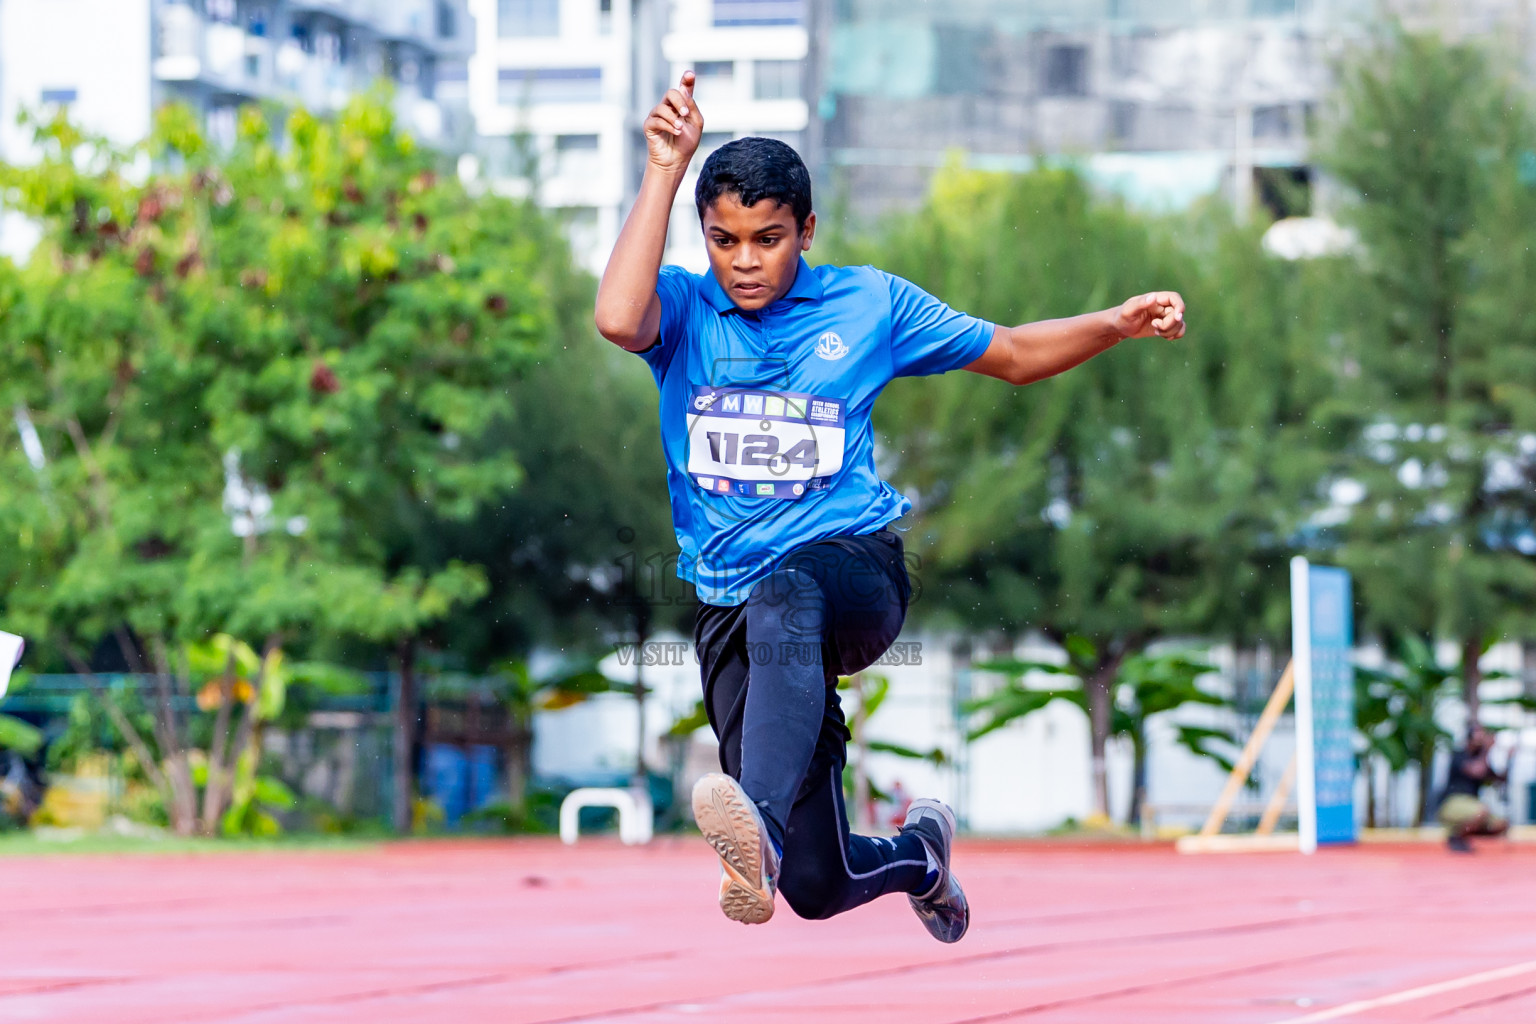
[
  {"x": 112, "y": 62},
  {"x": 550, "y": 87},
  {"x": 560, "y": 88},
  {"x": 750, "y": 59}
]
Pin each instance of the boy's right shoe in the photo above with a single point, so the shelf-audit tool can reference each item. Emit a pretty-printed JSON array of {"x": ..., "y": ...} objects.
[
  {"x": 943, "y": 908},
  {"x": 749, "y": 865}
]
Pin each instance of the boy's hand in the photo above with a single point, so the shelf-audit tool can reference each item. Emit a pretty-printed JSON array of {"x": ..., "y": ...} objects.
[
  {"x": 1159, "y": 313},
  {"x": 673, "y": 128}
]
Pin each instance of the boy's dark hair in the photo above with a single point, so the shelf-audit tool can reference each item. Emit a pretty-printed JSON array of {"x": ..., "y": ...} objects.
[{"x": 752, "y": 170}]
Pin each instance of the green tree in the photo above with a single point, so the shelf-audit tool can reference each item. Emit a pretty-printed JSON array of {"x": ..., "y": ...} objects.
[
  {"x": 1153, "y": 684},
  {"x": 582, "y": 549},
  {"x": 249, "y": 373},
  {"x": 1146, "y": 494},
  {"x": 1401, "y": 716},
  {"x": 1432, "y": 141},
  {"x": 1144, "y": 685}
]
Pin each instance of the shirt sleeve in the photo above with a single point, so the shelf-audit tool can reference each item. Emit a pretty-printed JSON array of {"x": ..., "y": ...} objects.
[
  {"x": 928, "y": 336},
  {"x": 675, "y": 289}
]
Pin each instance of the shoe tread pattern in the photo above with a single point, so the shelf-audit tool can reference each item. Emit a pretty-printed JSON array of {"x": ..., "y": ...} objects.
[{"x": 729, "y": 826}]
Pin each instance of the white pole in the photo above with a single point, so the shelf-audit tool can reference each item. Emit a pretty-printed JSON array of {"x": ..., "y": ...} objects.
[
  {"x": 10, "y": 656},
  {"x": 1301, "y": 667}
]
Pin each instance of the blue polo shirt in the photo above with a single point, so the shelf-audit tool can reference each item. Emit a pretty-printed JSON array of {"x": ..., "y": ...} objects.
[{"x": 765, "y": 416}]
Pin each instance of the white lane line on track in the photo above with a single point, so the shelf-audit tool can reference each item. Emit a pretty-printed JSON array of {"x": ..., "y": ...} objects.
[{"x": 1409, "y": 995}]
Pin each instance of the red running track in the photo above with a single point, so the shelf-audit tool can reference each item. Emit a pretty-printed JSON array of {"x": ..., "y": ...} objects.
[{"x": 528, "y": 931}]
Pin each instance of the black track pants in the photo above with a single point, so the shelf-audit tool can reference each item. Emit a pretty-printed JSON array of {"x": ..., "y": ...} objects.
[{"x": 770, "y": 669}]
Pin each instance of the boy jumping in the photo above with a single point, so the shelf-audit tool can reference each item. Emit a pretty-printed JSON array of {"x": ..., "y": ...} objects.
[{"x": 768, "y": 370}]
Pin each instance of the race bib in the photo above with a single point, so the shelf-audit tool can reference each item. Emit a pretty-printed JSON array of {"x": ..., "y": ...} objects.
[{"x": 752, "y": 442}]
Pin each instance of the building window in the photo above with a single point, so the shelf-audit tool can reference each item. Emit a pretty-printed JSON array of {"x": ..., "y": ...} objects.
[
  {"x": 577, "y": 156},
  {"x": 776, "y": 80},
  {"x": 1066, "y": 71},
  {"x": 537, "y": 18},
  {"x": 1122, "y": 121},
  {"x": 1272, "y": 122},
  {"x": 517, "y": 86},
  {"x": 450, "y": 82},
  {"x": 715, "y": 70},
  {"x": 716, "y": 81},
  {"x": 759, "y": 12},
  {"x": 61, "y": 97},
  {"x": 447, "y": 20}
]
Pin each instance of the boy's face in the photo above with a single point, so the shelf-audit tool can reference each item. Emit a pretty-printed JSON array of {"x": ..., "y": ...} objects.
[{"x": 754, "y": 250}]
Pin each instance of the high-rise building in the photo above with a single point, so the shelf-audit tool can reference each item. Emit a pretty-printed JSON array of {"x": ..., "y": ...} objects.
[
  {"x": 551, "y": 84},
  {"x": 560, "y": 89},
  {"x": 1160, "y": 100},
  {"x": 750, "y": 61},
  {"x": 112, "y": 62}
]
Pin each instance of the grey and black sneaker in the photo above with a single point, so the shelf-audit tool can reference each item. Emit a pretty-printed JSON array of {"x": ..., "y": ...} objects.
[
  {"x": 749, "y": 865},
  {"x": 942, "y": 909}
]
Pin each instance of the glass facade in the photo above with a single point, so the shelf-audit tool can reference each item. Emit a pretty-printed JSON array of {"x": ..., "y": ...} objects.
[
  {"x": 759, "y": 12},
  {"x": 524, "y": 18},
  {"x": 517, "y": 86}
]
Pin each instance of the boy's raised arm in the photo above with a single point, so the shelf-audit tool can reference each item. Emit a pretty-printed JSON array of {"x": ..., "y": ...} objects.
[{"x": 628, "y": 311}]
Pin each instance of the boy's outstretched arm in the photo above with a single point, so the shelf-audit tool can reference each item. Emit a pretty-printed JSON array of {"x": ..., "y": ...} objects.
[
  {"x": 628, "y": 311},
  {"x": 1031, "y": 352}
]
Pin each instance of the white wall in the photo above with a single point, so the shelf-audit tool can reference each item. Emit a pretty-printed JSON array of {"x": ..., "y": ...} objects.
[
  {"x": 585, "y": 41},
  {"x": 99, "y": 48},
  {"x": 600, "y": 734}
]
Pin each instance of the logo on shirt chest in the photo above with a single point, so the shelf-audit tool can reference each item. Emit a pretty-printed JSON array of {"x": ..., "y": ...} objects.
[{"x": 831, "y": 346}]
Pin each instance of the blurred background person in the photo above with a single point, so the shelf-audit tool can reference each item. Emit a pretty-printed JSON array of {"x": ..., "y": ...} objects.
[{"x": 1462, "y": 811}]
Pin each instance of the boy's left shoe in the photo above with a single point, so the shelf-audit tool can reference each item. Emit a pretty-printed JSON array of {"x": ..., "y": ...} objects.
[
  {"x": 943, "y": 908},
  {"x": 749, "y": 864}
]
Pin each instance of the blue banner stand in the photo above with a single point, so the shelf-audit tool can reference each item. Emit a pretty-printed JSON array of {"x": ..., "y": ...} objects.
[{"x": 1322, "y": 635}]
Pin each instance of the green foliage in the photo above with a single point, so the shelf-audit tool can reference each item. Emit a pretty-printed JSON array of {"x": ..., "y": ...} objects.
[
  {"x": 873, "y": 689},
  {"x": 685, "y": 726},
  {"x": 256, "y": 376},
  {"x": 327, "y": 327},
  {"x": 1398, "y": 710},
  {"x": 936, "y": 756},
  {"x": 1148, "y": 493},
  {"x": 1144, "y": 492},
  {"x": 89, "y": 730},
  {"x": 1150, "y": 684},
  {"x": 1144, "y": 685},
  {"x": 1014, "y": 699},
  {"x": 1434, "y": 319},
  {"x": 23, "y": 737},
  {"x": 252, "y": 814}
]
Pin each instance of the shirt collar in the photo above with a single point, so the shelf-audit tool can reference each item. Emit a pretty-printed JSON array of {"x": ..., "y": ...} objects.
[{"x": 807, "y": 288}]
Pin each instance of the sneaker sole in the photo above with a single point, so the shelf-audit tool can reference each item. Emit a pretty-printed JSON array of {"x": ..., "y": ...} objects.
[{"x": 730, "y": 826}]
